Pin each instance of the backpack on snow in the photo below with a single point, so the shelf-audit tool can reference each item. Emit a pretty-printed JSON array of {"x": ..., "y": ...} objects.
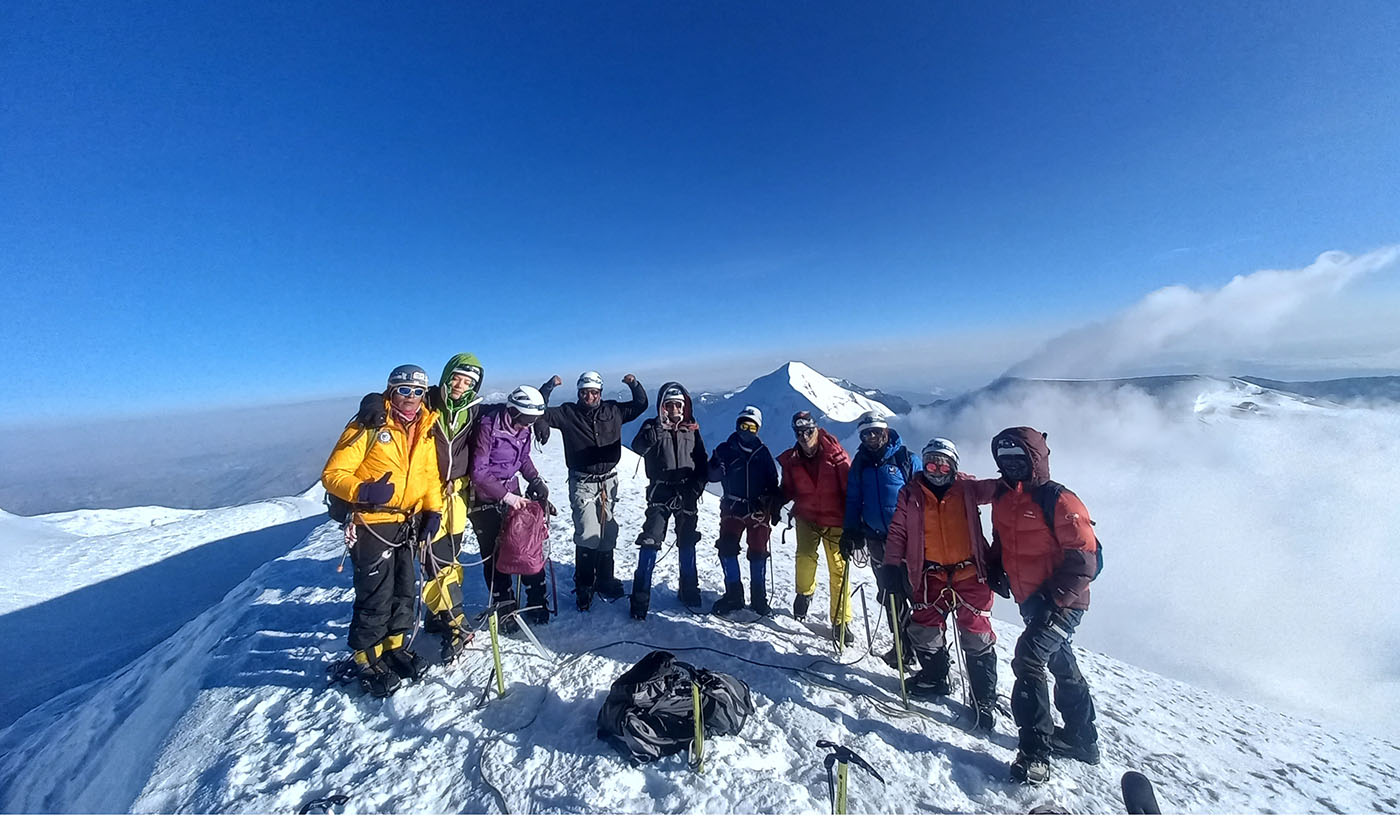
[
  {"x": 1047, "y": 496},
  {"x": 649, "y": 714}
]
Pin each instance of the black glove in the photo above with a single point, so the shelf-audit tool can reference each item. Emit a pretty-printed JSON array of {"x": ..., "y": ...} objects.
[
  {"x": 549, "y": 507},
  {"x": 537, "y": 490},
  {"x": 431, "y": 523},
  {"x": 377, "y": 492},
  {"x": 372, "y": 414},
  {"x": 850, "y": 542},
  {"x": 892, "y": 577},
  {"x": 541, "y": 429},
  {"x": 997, "y": 580}
]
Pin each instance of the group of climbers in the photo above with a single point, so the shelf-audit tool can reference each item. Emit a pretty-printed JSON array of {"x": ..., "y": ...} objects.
[{"x": 419, "y": 462}]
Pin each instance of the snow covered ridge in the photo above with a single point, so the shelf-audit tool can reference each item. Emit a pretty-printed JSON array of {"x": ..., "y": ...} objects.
[{"x": 231, "y": 714}]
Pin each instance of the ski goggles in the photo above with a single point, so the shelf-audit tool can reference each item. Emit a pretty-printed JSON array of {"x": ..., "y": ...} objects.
[
  {"x": 938, "y": 464},
  {"x": 410, "y": 391},
  {"x": 748, "y": 425}
]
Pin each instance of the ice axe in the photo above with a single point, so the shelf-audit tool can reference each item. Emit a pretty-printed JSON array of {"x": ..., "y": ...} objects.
[{"x": 839, "y": 758}]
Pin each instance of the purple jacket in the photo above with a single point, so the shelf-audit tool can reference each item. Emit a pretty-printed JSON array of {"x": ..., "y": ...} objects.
[{"x": 499, "y": 451}]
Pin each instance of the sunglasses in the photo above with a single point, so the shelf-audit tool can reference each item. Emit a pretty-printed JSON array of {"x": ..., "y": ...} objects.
[
  {"x": 871, "y": 433},
  {"x": 804, "y": 431},
  {"x": 937, "y": 467},
  {"x": 748, "y": 426},
  {"x": 410, "y": 391}
]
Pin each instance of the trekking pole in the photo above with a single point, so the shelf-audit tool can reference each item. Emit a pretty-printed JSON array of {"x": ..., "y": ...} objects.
[
  {"x": 836, "y": 784},
  {"x": 496, "y": 656},
  {"x": 698, "y": 746},
  {"x": 843, "y": 605},
  {"x": 898, "y": 649},
  {"x": 865, "y": 610}
]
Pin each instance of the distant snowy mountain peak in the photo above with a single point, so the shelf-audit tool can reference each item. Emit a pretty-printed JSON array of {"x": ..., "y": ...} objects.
[{"x": 792, "y": 387}]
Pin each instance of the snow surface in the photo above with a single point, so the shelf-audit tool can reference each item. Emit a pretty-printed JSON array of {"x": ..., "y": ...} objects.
[{"x": 231, "y": 713}]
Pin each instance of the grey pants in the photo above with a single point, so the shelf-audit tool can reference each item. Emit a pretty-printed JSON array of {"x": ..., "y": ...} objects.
[{"x": 592, "y": 503}]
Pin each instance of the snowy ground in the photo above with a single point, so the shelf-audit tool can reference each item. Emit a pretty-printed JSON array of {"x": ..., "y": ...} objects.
[
  {"x": 96, "y": 588},
  {"x": 231, "y": 713}
]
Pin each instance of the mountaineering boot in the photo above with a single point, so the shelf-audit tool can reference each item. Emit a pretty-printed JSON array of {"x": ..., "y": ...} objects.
[
  {"x": 504, "y": 606},
  {"x": 932, "y": 679},
  {"x": 606, "y": 584},
  {"x": 1063, "y": 745},
  {"x": 733, "y": 597},
  {"x": 406, "y": 663},
  {"x": 536, "y": 605},
  {"x": 800, "y": 605},
  {"x": 849, "y": 638},
  {"x": 1028, "y": 769},
  {"x": 910, "y": 663},
  {"x": 982, "y": 677},
  {"x": 454, "y": 643},
  {"x": 732, "y": 600},
  {"x": 758, "y": 579},
  {"x": 641, "y": 582},
  {"x": 690, "y": 578},
  {"x": 585, "y": 568},
  {"x": 375, "y": 678}
]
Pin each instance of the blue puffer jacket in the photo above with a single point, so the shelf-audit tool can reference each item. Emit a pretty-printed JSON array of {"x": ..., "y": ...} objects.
[
  {"x": 749, "y": 474},
  {"x": 873, "y": 487}
]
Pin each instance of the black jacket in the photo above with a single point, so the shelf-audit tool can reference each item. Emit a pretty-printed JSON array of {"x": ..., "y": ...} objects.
[
  {"x": 593, "y": 436},
  {"x": 673, "y": 454},
  {"x": 749, "y": 475}
]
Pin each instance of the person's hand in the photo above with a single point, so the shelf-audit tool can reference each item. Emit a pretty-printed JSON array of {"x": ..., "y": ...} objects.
[
  {"x": 538, "y": 490},
  {"x": 549, "y": 507},
  {"x": 379, "y": 491},
  {"x": 997, "y": 580},
  {"x": 629, "y": 379},
  {"x": 372, "y": 413},
  {"x": 513, "y": 500},
  {"x": 892, "y": 576},
  {"x": 428, "y": 530},
  {"x": 556, "y": 382},
  {"x": 850, "y": 542}
]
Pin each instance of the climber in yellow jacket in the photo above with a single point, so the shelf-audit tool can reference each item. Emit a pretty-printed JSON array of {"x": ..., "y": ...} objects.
[{"x": 390, "y": 475}]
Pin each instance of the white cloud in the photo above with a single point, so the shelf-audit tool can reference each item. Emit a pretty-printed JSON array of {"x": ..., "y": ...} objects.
[
  {"x": 1255, "y": 556},
  {"x": 1267, "y": 317}
]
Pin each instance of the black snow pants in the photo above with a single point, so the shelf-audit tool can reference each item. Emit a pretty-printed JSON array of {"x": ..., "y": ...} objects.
[
  {"x": 666, "y": 500},
  {"x": 1045, "y": 649},
  {"x": 386, "y": 590}
]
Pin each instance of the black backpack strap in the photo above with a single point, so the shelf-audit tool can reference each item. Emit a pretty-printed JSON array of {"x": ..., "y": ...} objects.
[{"x": 1047, "y": 498}]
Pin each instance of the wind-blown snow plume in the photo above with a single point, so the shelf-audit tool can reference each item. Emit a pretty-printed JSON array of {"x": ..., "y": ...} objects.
[{"x": 1177, "y": 327}]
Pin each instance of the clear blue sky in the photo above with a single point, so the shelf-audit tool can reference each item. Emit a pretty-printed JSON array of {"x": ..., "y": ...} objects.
[{"x": 230, "y": 202}]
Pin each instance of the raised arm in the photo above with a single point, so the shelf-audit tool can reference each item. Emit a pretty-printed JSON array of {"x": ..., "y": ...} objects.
[{"x": 638, "y": 405}]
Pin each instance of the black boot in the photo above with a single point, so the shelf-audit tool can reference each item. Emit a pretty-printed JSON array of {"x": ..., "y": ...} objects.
[
  {"x": 537, "y": 605},
  {"x": 800, "y": 605},
  {"x": 1063, "y": 744},
  {"x": 376, "y": 678},
  {"x": 405, "y": 663},
  {"x": 454, "y": 642},
  {"x": 731, "y": 600},
  {"x": 585, "y": 569},
  {"x": 1030, "y": 769},
  {"x": 505, "y": 615},
  {"x": 910, "y": 662},
  {"x": 607, "y": 584},
  {"x": 932, "y": 679},
  {"x": 689, "y": 594},
  {"x": 982, "y": 676}
]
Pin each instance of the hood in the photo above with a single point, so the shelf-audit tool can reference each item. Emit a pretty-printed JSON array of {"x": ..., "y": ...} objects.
[
  {"x": 689, "y": 409},
  {"x": 1034, "y": 443},
  {"x": 461, "y": 360}
]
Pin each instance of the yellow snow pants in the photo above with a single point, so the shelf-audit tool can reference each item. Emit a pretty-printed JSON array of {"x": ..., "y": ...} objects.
[{"x": 809, "y": 536}]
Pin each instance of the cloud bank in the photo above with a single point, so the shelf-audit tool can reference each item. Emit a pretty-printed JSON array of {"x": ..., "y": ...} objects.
[
  {"x": 1267, "y": 316},
  {"x": 1253, "y": 555}
]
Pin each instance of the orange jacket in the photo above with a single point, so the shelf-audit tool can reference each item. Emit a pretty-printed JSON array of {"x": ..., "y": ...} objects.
[
  {"x": 1062, "y": 563},
  {"x": 407, "y": 454},
  {"x": 905, "y": 544},
  {"x": 817, "y": 485}
]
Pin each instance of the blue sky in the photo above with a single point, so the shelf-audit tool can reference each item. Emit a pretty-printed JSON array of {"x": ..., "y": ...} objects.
[{"x": 207, "y": 203}]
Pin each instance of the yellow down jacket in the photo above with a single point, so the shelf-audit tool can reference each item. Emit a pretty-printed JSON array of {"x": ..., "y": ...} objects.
[{"x": 407, "y": 454}]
